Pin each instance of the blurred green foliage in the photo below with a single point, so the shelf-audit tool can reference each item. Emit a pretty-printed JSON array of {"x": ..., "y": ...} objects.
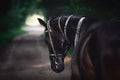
[
  {"x": 13, "y": 14},
  {"x": 70, "y": 51},
  {"x": 103, "y": 9}
]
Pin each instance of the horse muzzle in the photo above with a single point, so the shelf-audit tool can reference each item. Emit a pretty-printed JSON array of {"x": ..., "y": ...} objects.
[{"x": 57, "y": 64}]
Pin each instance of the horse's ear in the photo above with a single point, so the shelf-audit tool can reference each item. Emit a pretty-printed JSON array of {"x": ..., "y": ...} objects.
[{"x": 42, "y": 22}]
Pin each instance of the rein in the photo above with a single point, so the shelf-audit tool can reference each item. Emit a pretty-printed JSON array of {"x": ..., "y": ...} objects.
[
  {"x": 65, "y": 27},
  {"x": 64, "y": 33},
  {"x": 49, "y": 30},
  {"x": 78, "y": 30}
]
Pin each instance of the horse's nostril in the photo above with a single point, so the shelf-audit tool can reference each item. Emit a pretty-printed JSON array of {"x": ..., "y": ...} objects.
[
  {"x": 57, "y": 64},
  {"x": 57, "y": 67}
]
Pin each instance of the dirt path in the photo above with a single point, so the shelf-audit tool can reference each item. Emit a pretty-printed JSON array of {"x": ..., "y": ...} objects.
[{"x": 28, "y": 59}]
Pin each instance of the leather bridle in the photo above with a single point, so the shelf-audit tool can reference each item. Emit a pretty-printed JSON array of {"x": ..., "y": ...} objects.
[{"x": 64, "y": 33}]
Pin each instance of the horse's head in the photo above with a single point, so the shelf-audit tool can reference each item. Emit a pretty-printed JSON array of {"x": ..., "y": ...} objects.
[{"x": 56, "y": 43}]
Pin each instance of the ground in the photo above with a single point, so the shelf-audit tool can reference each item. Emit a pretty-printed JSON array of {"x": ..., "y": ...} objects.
[{"x": 26, "y": 57}]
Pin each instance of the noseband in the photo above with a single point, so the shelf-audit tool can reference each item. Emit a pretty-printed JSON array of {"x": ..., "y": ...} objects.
[{"x": 63, "y": 33}]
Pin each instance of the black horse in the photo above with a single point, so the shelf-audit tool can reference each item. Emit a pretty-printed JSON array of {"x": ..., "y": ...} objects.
[
  {"x": 96, "y": 46},
  {"x": 57, "y": 32}
]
